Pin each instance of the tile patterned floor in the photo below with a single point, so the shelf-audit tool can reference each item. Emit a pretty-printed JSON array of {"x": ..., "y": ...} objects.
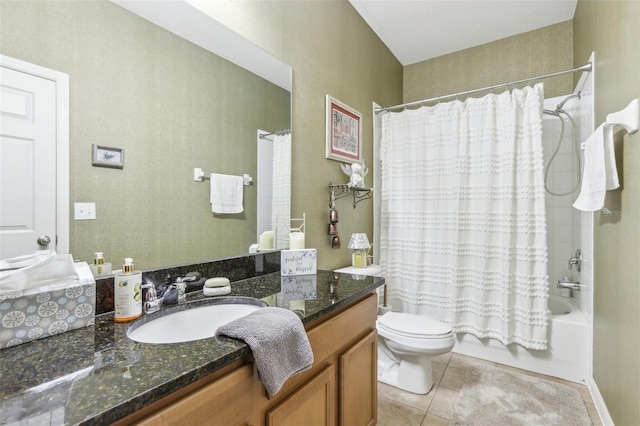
[{"x": 400, "y": 408}]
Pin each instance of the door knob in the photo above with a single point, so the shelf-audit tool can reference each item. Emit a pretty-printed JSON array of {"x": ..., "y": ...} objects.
[{"x": 44, "y": 240}]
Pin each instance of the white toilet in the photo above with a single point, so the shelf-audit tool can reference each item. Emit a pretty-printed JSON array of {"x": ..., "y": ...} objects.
[{"x": 406, "y": 344}]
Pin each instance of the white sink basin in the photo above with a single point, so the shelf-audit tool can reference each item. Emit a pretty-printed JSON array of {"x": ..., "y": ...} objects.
[{"x": 190, "y": 322}]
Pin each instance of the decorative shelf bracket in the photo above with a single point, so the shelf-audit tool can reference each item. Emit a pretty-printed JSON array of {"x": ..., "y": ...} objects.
[{"x": 342, "y": 190}]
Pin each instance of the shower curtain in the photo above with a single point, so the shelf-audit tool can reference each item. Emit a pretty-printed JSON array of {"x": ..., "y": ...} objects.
[
  {"x": 281, "y": 190},
  {"x": 463, "y": 231}
]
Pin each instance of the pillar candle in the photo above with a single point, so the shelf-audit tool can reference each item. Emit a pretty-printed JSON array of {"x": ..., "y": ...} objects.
[
  {"x": 266, "y": 241},
  {"x": 296, "y": 240}
]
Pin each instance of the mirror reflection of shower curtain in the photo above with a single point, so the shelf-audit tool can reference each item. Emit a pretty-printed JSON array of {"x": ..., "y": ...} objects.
[
  {"x": 281, "y": 194},
  {"x": 462, "y": 212}
]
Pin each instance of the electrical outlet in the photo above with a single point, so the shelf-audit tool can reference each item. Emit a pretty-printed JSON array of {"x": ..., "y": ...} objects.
[{"x": 84, "y": 211}]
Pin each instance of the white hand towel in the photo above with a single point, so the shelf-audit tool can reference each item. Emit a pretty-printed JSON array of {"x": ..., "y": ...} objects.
[
  {"x": 599, "y": 173},
  {"x": 226, "y": 194}
]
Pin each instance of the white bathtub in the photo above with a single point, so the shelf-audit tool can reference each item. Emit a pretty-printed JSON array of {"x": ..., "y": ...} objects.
[{"x": 567, "y": 356}]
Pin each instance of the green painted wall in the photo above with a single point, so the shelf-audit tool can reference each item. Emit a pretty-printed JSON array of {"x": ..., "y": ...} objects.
[
  {"x": 171, "y": 105},
  {"x": 533, "y": 53},
  {"x": 158, "y": 214},
  {"x": 332, "y": 51},
  {"x": 612, "y": 30}
]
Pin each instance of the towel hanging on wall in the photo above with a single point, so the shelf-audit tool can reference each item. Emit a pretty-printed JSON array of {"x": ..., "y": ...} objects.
[
  {"x": 600, "y": 173},
  {"x": 226, "y": 194}
]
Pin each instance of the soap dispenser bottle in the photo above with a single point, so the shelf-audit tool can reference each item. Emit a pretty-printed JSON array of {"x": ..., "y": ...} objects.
[
  {"x": 127, "y": 289},
  {"x": 100, "y": 266}
]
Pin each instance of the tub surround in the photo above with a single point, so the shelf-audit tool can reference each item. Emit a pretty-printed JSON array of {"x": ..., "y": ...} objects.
[
  {"x": 98, "y": 375},
  {"x": 564, "y": 358}
]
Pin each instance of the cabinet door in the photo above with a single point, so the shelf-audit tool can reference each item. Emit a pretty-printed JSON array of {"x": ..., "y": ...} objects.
[
  {"x": 313, "y": 404},
  {"x": 226, "y": 401},
  {"x": 359, "y": 383}
]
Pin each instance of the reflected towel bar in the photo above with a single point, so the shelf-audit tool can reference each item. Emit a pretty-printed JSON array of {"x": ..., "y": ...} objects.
[{"x": 199, "y": 176}]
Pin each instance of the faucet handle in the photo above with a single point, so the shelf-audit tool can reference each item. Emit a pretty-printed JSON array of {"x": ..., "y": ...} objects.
[
  {"x": 151, "y": 301},
  {"x": 576, "y": 260}
]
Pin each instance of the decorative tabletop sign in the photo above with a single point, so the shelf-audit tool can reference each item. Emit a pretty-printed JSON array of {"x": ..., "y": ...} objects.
[{"x": 298, "y": 262}]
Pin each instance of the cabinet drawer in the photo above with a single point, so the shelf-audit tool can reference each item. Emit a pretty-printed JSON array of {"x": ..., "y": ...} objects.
[{"x": 228, "y": 401}]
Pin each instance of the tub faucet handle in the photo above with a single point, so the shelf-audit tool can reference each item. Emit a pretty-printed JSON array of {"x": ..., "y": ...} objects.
[{"x": 576, "y": 260}]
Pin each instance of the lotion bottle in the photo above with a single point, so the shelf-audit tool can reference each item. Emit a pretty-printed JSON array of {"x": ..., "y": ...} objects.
[
  {"x": 100, "y": 266},
  {"x": 127, "y": 289}
]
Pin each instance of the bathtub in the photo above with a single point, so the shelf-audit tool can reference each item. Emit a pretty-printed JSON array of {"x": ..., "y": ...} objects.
[{"x": 566, "y": 357}]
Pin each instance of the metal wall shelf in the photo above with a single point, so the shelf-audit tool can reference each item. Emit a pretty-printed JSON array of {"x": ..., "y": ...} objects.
[{"x": 342, "y": 190}]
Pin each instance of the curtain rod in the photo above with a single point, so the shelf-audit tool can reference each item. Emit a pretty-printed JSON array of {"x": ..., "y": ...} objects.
[
  {"x": 279, "y": 132},
  {"x": 585, "y": 67}
]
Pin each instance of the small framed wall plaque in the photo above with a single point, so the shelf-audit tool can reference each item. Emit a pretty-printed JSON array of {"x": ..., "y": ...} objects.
[{"x": 105, "y": 156}]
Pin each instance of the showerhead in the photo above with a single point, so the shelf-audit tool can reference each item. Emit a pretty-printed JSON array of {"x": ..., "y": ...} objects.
[
  {"x": 565, "y": 100},
  {"x": 559, "y": 107}
]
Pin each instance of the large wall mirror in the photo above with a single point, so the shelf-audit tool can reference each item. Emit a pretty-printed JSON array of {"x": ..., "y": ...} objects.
[{"x": 153, "y": 78}]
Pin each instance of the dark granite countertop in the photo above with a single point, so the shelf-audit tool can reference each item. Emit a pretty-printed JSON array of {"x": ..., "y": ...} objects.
[{"x": 96, "y": 375}]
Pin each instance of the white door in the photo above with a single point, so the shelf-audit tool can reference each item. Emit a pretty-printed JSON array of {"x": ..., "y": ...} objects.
[{"x": 27, "y": 163}]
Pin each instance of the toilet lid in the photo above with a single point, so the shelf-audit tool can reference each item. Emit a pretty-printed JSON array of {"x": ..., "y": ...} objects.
[{"x": 412, "y": 325}]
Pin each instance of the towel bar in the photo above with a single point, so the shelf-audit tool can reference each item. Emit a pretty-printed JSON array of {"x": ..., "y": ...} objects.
[
  {"x": 627, "y": 118},
  {"x": 199, "y": 176}
]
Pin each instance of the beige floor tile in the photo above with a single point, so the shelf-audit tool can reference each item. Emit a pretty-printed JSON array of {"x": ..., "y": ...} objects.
[
  {"x": 392, "y": 413},
  {"x": 583, "y": 390},
  {"x": 521, "y": 371},
  {"x": 442, "y": 359},
  {"x": 593, "y": 413},
  {"x": 421, "y": 402},
  {"x": 458, "y": 360},
  {"x": 437, "y": 371},
  {"x": 433, "y": 420},
  {"x": 443, "y": 402},
  {"x": 453, "y": 378}
]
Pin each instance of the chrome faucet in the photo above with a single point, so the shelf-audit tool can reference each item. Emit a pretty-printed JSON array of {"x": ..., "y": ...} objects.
[
  {"x": 177, "y": 291},
  {"x": 569, "y": 284},
  {"x": 576, "y": 260},
  {"x": 150, "y": 300}
]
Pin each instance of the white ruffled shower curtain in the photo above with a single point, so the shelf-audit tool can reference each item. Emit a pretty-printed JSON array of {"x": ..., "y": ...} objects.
[
  {"x": 463, "y": 230},
  {"x": 281, "y": 190}
]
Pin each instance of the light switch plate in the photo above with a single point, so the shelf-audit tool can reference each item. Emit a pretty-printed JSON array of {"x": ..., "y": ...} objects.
[{"x": 84, "y": 211}]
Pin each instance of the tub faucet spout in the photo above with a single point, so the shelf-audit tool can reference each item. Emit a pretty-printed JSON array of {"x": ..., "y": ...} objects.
[{"x": 569, "y": 284}]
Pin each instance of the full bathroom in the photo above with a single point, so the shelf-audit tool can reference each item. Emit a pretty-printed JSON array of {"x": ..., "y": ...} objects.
[{"x": 151, "y": 90}]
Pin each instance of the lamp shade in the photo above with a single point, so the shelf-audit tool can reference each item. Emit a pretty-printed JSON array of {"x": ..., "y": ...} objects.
[{"x": 359, "y": 241}]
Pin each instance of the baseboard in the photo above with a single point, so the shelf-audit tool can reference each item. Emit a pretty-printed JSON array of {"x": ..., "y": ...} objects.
[{"x": 603, "y": 412}]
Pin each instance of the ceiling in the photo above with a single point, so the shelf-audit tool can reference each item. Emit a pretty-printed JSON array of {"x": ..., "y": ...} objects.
[{"x": 417, "y": 30}]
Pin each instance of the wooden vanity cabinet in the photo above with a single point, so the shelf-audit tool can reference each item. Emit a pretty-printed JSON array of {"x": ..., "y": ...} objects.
[
  {"x": 339, "y": 389},
  {"x": 344, "y": 345},
  {"x": 311, "y": 405},
  {"x": 358, "y": 378},
  {"x": 225, "y": 401}
]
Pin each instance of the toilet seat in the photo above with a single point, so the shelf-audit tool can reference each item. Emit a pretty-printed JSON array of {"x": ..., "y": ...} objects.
[
  {"x": 415, "y": 332},
  {"x": 413, "y": 326}
]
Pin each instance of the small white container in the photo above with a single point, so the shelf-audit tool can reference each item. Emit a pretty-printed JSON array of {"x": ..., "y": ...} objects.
[{"x": 100, "y": 265}]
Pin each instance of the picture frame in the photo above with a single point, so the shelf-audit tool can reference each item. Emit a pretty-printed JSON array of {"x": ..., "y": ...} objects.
[
  {"x": 343, "y": 133},
  {"x": 106, "y": 156}
]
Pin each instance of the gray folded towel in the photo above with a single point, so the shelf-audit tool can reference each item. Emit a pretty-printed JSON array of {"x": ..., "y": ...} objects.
[{"x": 279, "y": 343}]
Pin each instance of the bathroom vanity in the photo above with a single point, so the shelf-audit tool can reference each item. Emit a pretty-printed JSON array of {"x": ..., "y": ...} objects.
[{"x": 99, "y": 376}]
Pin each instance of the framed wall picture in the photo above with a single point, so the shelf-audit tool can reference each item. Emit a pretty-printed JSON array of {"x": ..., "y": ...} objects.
[
  {"x": 344, "y": 132},
  {"x": 105, "y": 156}
]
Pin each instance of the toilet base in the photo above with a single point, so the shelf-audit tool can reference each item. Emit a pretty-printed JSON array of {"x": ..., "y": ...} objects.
[{"x": 412, "y": 373}]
